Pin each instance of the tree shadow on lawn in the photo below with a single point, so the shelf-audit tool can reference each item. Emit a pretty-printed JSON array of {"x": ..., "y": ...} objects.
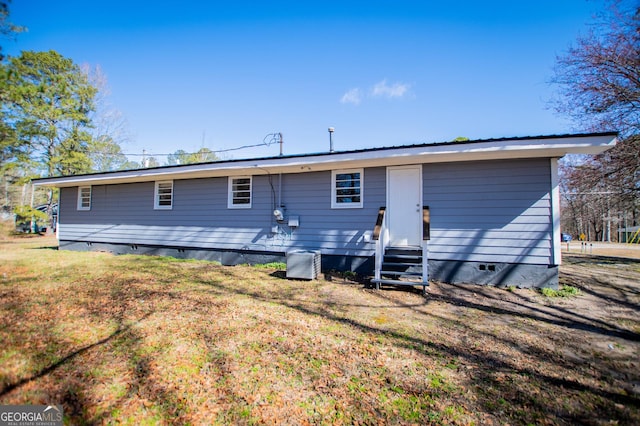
[
  {"x": 71, "y": 373},
  {"x": 551, "y": 314},
  {"x": 466, "y": 295},
  {"x": 471, "y": 296},
  {"x": 67, "y": 358},
  {"x": 489, "y": 370},
  {"x": 579, "y": 274},
  {"x": 587, "y": 259},
  {"x": 487, "y": 381},
  {"x": 625, "y": 294},
  {"x": 50, "y": 368}
]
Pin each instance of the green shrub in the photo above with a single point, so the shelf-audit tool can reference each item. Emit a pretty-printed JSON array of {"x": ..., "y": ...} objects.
[
  {"x": 564, "y": 291},
  {"x": 25, "y": 214},
  {"x": 280, "y": 266}
]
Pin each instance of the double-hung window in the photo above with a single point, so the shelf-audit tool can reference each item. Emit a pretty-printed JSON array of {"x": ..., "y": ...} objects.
[
  {"x": 84, "y": 198},
  {"x": 239, "y": 192},
  {"x": 163, "y": 199},
  {"x": 347, "y": 188}
]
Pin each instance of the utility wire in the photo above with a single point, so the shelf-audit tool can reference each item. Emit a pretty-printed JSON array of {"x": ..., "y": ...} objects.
[{"x": 268, "y": 140}]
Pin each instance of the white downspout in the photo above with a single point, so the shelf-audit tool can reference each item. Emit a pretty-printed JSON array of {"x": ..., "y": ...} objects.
[{"x": 556, "y": 244}]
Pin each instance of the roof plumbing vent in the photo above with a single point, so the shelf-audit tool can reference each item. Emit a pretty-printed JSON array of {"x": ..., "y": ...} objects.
[{"x": 331, "y": 130}]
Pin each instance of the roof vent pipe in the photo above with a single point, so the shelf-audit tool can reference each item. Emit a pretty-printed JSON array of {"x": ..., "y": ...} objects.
[{"x": 331, "y": 130}]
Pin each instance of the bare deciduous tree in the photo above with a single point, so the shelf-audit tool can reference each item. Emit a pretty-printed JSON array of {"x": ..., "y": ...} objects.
[
  {"x": 599, "y": 77},
  {"x": 110, "y": 131},
  {"x": 599, "y": 88}
]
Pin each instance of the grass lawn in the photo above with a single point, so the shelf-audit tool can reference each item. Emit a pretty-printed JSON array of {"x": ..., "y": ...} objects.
[{"x": 149, "y": 340}]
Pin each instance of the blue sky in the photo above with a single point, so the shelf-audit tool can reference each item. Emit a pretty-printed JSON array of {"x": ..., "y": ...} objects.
[{"x": 226, "y": 74}]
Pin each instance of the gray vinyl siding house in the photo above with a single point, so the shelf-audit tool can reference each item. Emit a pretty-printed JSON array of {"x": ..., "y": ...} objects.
[{"x": 492, "y": 208}]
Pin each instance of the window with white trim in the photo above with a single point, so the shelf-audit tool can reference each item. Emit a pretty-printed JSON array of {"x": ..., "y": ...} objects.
[
  {"x": 84, "y": 198},
  {"x": 347, "y": 188},
  {"x": 239, "y": 192},
  {"x": 163, "y": 199}
]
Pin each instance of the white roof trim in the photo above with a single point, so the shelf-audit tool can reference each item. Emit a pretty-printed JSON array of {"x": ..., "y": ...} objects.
[{"x": 540, "y": 147}]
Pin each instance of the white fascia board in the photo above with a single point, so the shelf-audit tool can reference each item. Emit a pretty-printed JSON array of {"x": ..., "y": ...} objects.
[{"x": 394, "y": 156}]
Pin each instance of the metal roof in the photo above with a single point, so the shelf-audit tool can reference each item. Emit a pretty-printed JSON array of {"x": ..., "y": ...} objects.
[{"x": 480, "y": 149}]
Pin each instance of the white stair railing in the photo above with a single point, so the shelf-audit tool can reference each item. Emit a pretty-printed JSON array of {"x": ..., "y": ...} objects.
[
  {"x": 426, "y": 236},
  {"x": 381, "y": 237},
  {"x": 425, "y": 261}
]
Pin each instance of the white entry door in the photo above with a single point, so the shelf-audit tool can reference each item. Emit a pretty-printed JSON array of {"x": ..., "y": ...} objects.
[{"x": 404, "y": 205}]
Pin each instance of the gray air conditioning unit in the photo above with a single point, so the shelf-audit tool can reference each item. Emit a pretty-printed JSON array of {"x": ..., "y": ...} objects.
[{"x": 303, "y": 264}]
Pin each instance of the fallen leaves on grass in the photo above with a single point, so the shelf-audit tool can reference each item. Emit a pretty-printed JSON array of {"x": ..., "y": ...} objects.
[{"x": 134, "y": 339}]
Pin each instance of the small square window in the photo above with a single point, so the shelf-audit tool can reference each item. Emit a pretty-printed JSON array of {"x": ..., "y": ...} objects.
[
  {"x": 164, "y": 195},
  {"x": 239, "y": 192},
  {"x": 84, "y": 198},
  {"x": 347, "y": 188}
]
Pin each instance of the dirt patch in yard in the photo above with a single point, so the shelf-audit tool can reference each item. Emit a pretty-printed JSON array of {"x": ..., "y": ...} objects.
[{"x": 134, "y": 339}]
